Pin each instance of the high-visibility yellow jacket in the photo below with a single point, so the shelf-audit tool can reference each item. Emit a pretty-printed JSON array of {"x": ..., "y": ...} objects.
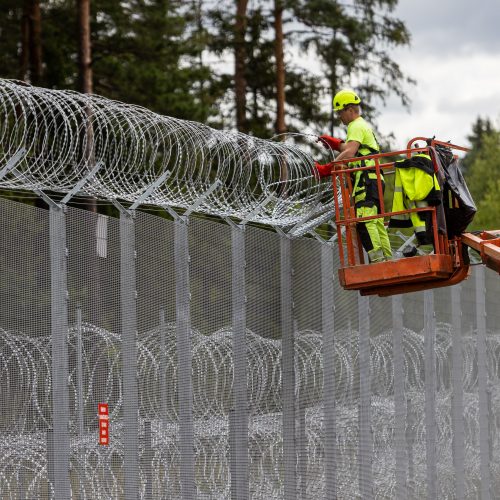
[
  {"x": 364, "y": 181},
  {"x": 415, "y": 186}
]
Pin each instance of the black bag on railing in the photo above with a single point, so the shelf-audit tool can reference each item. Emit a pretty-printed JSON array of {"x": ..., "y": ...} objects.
[{"x": 458, "y": 217}]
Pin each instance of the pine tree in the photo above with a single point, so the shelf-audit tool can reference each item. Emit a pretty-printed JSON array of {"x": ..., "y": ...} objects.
[
  {"x": 348, "y": 40},
  {"x": 482, "y": 178},
  {"x": 351, "y": 39},
  {"x": 279, "y": 56},
  {"x": 84, "y": 48},
  {"x": 240, "y": 62},
  {"x": 481, "y": 128},
  {"x": 30, "y": 60}
]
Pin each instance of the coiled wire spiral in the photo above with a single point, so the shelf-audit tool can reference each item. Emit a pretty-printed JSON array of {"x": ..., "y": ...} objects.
[
  {"x": 65, "y": 135},
  {"x": 22, "y": 451}
]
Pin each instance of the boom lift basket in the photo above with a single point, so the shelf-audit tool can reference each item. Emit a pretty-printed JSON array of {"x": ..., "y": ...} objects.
[{"x": 447, "y": 265}]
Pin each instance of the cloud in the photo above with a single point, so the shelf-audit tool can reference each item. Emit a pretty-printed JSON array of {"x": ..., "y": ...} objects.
[
  {"x": 451, "y": 26},
  {"x": 454, "y": 58}
]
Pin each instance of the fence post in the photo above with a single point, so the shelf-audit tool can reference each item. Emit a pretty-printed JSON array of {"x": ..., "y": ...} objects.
[
  {"x": 184, "y": 361},
  {"x": 302, "y": 449},
  {"x": 128, "y": 306},
  {"x": 287, "y": 367},
  {"x": 163, "y": 367},
  {"x": 410, "y": 440},
  {"x": 79, "y": 390},
  {"x": 430, "y": 392},
  {"x": 482, "y": 374},
  {"x": 399, "y": 398},
  {"x": 21, "y": 482},
  {"x": 457, "y": 393},
  {"x": 79, "y": 370},
  {"x": 329, "y": 407},
  {"x": 60, "y": 452},
  {"x": 365, "y": 433},
  {"x": 239, "y": 420},
  {"x": 148, "y": 459},
  {"x": 50, "y": 462}
]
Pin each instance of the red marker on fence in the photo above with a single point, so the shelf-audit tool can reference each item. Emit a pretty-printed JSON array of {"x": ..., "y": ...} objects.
[{"x": 103, "y": 415}]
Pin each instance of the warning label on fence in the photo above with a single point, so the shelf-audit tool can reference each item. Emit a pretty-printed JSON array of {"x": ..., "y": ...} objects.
[{"x": 103, "y": 415}]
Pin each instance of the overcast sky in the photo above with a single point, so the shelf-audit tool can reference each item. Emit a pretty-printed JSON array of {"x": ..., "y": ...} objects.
[{"x": 455, "y": 58}]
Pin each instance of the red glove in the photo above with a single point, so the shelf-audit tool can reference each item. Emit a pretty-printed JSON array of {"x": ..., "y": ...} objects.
[
  {"x": 323, "y": 170},
  {"x": 330, "y": 142}
]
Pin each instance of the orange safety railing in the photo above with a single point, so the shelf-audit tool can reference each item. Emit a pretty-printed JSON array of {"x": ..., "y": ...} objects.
[{"x": 346, "y": 217}]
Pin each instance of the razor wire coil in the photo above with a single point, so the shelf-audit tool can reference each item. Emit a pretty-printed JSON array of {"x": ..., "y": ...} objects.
[
  {"x": 24, "y": 459},
  {"x": 64, "y": 135}
]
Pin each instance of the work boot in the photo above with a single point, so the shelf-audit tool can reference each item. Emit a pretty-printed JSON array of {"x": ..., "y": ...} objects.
[{"x": 376, "y": 256}]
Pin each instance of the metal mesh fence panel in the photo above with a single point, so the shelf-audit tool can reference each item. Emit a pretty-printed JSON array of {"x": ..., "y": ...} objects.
[
  {"x": 309, "y": 342},
  {"x": 157, "y": 357},
  {"x": 25, "y": 354},
  {"x": 95, "y": 351},
  {"x": 234, "y": 367},
  {"x": 264, "y": 333}
]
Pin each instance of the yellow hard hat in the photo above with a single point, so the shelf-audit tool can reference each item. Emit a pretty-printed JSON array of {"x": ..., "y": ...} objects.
[{"x": 345, "y": 97}]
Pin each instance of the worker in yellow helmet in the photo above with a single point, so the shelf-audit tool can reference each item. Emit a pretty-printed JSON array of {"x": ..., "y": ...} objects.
[{"x": 360, "y": 141}]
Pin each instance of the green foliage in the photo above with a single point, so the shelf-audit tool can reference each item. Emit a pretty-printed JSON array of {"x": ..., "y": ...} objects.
[
  {"x": 482, "y": 176},
  {"x": 10, "y": 21},
  {"x": 145, "y": 53},
  {"x": 480, "y": 129},
  {"x": 345, "y": 40},
  {"x": 153, "y": 54},
  {"x": 489, "y": 208},
  {"x": 352, "y": 41}
]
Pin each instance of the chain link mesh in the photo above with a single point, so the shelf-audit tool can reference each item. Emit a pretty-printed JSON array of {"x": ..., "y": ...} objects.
[{"x": 95, "y": 357}]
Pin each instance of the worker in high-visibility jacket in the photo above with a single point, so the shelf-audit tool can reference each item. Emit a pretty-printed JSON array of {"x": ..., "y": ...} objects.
[
  {"x": 360, "y": 141},
  {"x": 415, "y": 186}
]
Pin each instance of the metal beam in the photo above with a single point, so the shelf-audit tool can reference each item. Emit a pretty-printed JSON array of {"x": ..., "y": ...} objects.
[
  {"x": 128, "y": 308},
  {"x": 12, "y": 162},
  {"x": 60, "y": 369},
  {"x": 257, "y": 209},
  {"x": 184, "y": 360},
  {"x": 399, "y": 398},
  {"x": 365, "y": 431},
  {"x": 457, "y": 396},
  {"x": 288, "y": 372},
  {"x": 147, "y": 193},
  {"x": 329, "y": 406},
  {"x": 239, "y": 433},
  {"x": 482, "y": 375},
  {"x": 79, "y": 185},
  {"x": 199, "y": 201},
  {"x": 430, "y": 393}
]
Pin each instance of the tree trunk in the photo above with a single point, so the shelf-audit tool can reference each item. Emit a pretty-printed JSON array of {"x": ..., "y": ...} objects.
[
  {"x": 86, "y": 82},
  {"x": 280, "y": 126},
  {"x": 280, "y": 67},
  {"x": 84, "y": 48},
  {"x": 36, "y": 43},
  {"x": 25, "y": 42},
  {"x": 30, "y": 61},
  {"x": 240, "y": 57}
]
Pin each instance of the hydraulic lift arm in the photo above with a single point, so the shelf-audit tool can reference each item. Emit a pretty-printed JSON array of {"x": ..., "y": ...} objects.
[{"x": 487, "y": 243}]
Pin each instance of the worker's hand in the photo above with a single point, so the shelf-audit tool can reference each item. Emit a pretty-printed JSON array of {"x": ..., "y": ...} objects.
[
  {"x": 330, "y": 142},
  {"x": 323, "y": 170}
]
